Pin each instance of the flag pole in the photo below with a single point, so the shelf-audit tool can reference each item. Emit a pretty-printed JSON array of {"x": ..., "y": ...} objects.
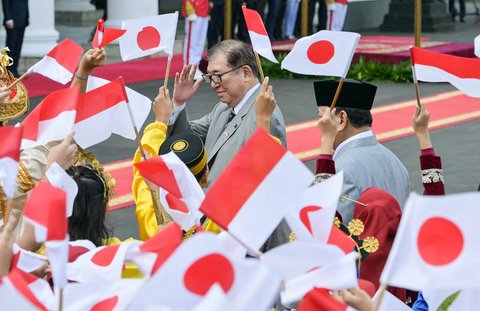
[
  {"x": 252, "y": 252},
  {"x": 337, "y": 93},
  {"x": 60, "y": 299},
  {"x": 259, "y": 65},
  {"x": 415, "y": 84},
  {"x": 18, "y": 80},
  {"x": 155, "y": 200},
  {"x": 381, "y": 291},
  {"x": 167, "y": 72}
]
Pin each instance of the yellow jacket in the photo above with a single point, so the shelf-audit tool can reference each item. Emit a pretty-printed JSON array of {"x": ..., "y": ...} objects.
[{"x": 153, "y": 137}]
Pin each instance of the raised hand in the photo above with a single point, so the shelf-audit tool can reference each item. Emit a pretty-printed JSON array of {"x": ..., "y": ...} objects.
[
  {"x": 265, "y": 105},
  {"x": 4, "y": 93},
  {"x": 420, "y": 121},
  {"x": 356, "y": 298},
  {"x": 63, "y": 153},
  {"x": 185, "y": 86},
  {"x": 6, "y": 243},
  {"x": 328, "y": 124},
  {"x": 162, "y": 105},
  {"x": 91, "y": 59}
]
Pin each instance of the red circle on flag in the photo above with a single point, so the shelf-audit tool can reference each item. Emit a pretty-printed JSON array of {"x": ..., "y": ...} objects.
[
  {"x": 148, "y": 38},
  {"x": 105, "y": 256},
  {"x": 304, "y": 215},
  {"x": 439, "y": 241},
  {"x": 321, "y": 52},
  {"x": 208, "y": 270},
  {"x": 107, "y": 304}
]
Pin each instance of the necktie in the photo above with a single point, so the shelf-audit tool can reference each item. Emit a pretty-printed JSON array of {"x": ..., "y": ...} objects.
[{"x": 230, "y": 117}]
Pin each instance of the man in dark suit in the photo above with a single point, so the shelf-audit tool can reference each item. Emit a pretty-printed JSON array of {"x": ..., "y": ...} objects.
[{"x": 15, "y": 20}]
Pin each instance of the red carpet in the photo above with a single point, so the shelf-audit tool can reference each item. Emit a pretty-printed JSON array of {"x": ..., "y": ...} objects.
[{"x": 390, "y": 122}]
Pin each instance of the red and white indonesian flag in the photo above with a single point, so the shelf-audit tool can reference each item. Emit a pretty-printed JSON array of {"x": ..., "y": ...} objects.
[
  {"x": 140, "y": 106},
  {"x": 101, "y": 264},
  {"x": 341, "y": 274},
  {"x": 99, "y": 296},
  {"x": 258, "y": 34},
  {"x": 148, "y": 35},
  {"x": 60, "y": 63},
  {"x": 150, "y": 255},
  {"x": 311, "y": 218},
  {"x": 437, "y": 239},
  {"x": 101, "y": 112},
  {"x": 26, "y": 260},
  {"x": 180, "y": 193},
  {"x": 59, "y": 178},
  {"x": 16, "y": 295},
  {"x": 46, "y": 211},
  {"x": 326, "y": 53},
  {"x": 41, "y": 289},
  {"x": 252, "y": 212},
  {"x": 52, "y": 119},
  {"x": 461, "y": 72},
  {"x": 199, "y": 263},
  {"x": 104, "y": 36},
  {"x": 10, "y": 158}
]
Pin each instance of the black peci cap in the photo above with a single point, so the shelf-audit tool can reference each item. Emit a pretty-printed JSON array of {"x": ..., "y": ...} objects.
[
  {"x": 189, "y": 148},
  {"x": 354, "y": 94}
]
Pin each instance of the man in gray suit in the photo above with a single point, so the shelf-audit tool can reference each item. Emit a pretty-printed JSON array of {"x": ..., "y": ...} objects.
[
  {"x": 244, "y": 106},
  {"x": 364, "y": 161},
  {"x": 232, "y": 74}
]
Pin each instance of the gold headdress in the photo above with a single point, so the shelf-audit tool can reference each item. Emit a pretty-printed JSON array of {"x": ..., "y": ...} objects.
[
  {"x": 17, "y": 103},
  {"x": 89, "y": 160}
]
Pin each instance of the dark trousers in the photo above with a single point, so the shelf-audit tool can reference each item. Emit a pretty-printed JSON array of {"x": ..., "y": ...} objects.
[
  {"x": 453, "y": 11},
  {"x": 215, "y": 26},
  {"x": 321, "y": 13},
  {"x": 14, "y": 43}
]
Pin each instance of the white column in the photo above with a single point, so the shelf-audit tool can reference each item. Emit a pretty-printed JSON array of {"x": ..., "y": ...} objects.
[
  {"x": 41, "y": 35},
  {"x": 120, "y": 10},
  {"x": 73, "y": 6}
]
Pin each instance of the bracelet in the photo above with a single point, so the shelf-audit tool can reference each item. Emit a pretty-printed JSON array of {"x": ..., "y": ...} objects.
[{"x": 84, "y": 78}]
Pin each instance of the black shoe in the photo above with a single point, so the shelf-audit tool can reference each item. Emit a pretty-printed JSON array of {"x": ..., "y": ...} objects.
[{"x": 462, "y": 20}]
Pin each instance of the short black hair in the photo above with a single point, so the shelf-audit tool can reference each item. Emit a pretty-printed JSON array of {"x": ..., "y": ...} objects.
[
  {"x": 89, "y": 208},
  {"x": 357, "y": 117},
  {"x": 238, "y": 53}
]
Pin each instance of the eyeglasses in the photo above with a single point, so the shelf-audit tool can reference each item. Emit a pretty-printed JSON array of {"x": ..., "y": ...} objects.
[{"x": 217, "y": 77}]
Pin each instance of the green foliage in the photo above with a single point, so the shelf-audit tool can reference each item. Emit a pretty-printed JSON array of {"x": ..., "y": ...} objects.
[
  {"x": 362, "y": 71},
  {"x": 448, "y": 301}
]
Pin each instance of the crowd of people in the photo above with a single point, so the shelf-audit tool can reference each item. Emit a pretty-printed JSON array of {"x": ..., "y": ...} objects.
[{"x": 375, "y": 182}]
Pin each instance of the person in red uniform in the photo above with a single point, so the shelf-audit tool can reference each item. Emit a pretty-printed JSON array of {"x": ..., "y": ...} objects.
[{"x": 196, "y": 26}]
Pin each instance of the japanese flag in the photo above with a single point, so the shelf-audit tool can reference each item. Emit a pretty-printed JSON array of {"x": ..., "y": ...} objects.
[
  {"x": 326, "y": 53},
  {"x": 52, "y": 119},
  {"x": 248, "y": 182},
  {"x": 311, "y": 218},
  {"x": 148, "y": 35},
  {"x": 198, "y": 264},
  {"x": 9, "y": 158},
  {"x": 437, "y": 239},
  {"x": 112, "y": 296},
  {"x": 258, "y": 34},
  {"x": 101, "y": 264},
  {"x": 60, "y": 63}
]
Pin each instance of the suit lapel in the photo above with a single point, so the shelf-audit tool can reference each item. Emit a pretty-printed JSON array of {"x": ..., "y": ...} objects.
[{"x": 224, "y": 135}]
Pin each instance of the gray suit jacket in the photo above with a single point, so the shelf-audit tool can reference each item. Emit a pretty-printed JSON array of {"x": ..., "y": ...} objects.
[
  {"x": 224, "y": 143},
  {"x": 366, "y": 163}
]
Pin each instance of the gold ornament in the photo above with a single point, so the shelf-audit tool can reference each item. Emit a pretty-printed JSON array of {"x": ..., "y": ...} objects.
[
  {"x": 337, "y": 222},
  {"x": 356, "y": 227},
  {"x": 292, "y": 237},
  {"x": 18, "y": 102},
  {"x": 89, "y": 160},
  {"x": 370, "y": 244}
]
